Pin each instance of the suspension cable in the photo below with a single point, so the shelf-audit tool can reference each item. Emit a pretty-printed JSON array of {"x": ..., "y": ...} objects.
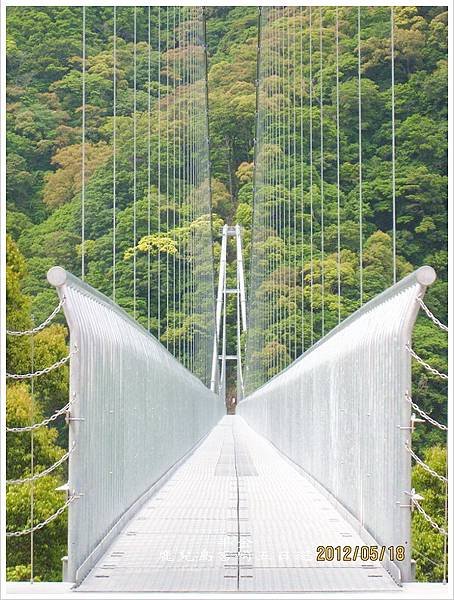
[
  {"x": 43, "y": 423},
  {"x": 338, "y": 172},
  {"x": 114, "y": 160},
  {"x": 183, "y": 217},
  {"x": 302, "y": 181},
  {"x": 40, "y": 474},
  {"x": 31, "y": 375},
  {"x": 427, "y": 517},
  {"x": 424, "y": 465},
  {"x": 167, "y": 168},
  {"x": 191, "y": 192},
  {"x": 286, "y": 182},
  {"x": 269, "y": 179},
  {"x": 282, "y": 205},
  {"x": 291, "y": 191},
  {"x": 393, "y": 141},
  {"x": 178, "y": 137},
  {"x": 149, "y": 168},
  {"x": 295, "y": 224},
  {"x": 431, "y": 316},
  {"x": 191, "y": 186},
  {"x": 134, "y": 202},
  {"x": 280, "y": 180},
  {"x": 360, "y": 164},
  {"x": 424, "y": 415},
  {"x": 42, "y": 325},
  {"x": 83, "y": 145},
  {"x": 322, "y": 174},
  {"x": 159, "y": 172},
  {"x": 39, "y": 526},
  {"x": 174, "y": 141},
  {"x": 311, "y": 178},
  {"x": 424, "y": 364}
]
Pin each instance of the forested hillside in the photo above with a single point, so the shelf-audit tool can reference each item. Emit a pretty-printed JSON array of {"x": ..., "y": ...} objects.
[{"x": 44, "y": 183}]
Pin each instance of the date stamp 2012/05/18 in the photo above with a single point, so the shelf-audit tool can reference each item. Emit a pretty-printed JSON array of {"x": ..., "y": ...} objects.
[{"x": 353, "y": 553}]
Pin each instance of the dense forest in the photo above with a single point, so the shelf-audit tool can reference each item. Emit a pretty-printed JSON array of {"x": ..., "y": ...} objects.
[{"x": 44, "y": 187}]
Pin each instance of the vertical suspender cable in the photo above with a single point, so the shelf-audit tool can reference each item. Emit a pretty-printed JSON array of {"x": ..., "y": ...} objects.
[
  {"x": 159, "y": 171},
  {"x": 174, "y": 142},
  {"x": 284, "y": 187},
  {"x": 190, "y": 192},
  {"x": 260, "y": 214},
  {"x": 114, "y": 158},
  {"x": 206, "y": 278},
  {"x": 311, "y": 179},
  {"x": 290, "y": 190},
  {"x": 338, "y": 172},
  {"x": 269, "y": 174},
  {"x": 276, "y": 177},
  {"x": 262, "y": 130},
  {"x": 188, "y": 200},
  {"x": 149, "y": 170},
  {"x": 282, "y": 159},
  {"x": 180, "y": 324},
  {"x": 295, "y": 162},
  {"x": 322, "y": 174},
  {"x": 197, "y": 201},
  {"x": 288, "y": 164},
  {"x": 199, "y": 150},
  {"x": 208, "y": 175},
  {"x": 360, "y": 165},
  {"x": 360, "y": 177},
  {"x": 273, "y": 180},
  {"x": 393, "y": 133},
  {"x": 264, "y": 139},
  {"x": 191, "y": 185},
  {"x": 194, "y": 179},
  {"x": 284, "y": 184},
  {"x": 184, "y": 186},
  {"x": 83, "y": 146},
  {"x": 302, "y": 179},
  {"x": 167, "y": 169},
  {"x": 134, "y": 206},
  {"x": 257, "y": 232},
  {"x": 201, "y": 138}
]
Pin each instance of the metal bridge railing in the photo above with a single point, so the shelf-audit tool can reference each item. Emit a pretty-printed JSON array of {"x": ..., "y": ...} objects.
[
  {"x": 341, "y": 413},
  {"x": 135, "y": 412}
]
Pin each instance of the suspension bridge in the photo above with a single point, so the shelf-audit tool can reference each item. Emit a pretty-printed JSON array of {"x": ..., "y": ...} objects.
[{"x": 307, "y": 487}]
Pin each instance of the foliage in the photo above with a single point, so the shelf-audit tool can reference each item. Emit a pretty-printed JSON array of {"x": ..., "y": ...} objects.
[
  {"x": 427, "y": 543},
  {"x": 43, "y": 139},
  {"x": 26, "y": 405}
]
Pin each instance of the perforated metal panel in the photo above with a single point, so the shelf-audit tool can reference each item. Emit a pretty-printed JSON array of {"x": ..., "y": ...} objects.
[
  {"x": 340, "y": 412},
  {"x": 136, "y": 412}
]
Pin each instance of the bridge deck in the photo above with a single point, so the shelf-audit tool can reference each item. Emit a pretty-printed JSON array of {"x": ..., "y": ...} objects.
[{"x": 235, "y": 516}]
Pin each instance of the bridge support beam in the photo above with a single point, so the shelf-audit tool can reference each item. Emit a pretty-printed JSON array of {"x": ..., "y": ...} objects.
[{"x": 221, "y": 315}]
